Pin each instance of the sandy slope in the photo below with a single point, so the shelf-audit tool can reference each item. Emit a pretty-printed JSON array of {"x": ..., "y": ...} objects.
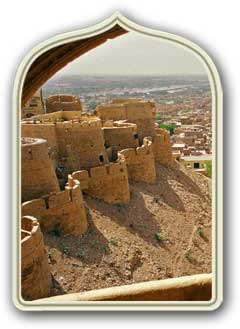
[{"x": 164, "y": 232}]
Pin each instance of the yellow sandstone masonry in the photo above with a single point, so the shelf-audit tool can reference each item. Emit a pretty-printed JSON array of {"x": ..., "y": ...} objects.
[
  {"x": 76, "y": 144},
  {"x": 134, "y": 110},
  {"x": 108, "y": 183},
  {"x": 162, "y": 148},
  {"x": 38, "y": 175},
  {"x": 36, "y": 276},
  {"x": 62, "y": 210},
  {"x": 140, "y": 162},
  {"x": 57, "y": 103},
  {"x": 120, "y": 135}
]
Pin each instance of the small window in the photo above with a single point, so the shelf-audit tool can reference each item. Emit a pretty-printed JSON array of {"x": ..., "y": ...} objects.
[
  {"x": 101, "y": 159},
  {"x": 196, "y": 165},
  {"x": 136, "y": 136}
]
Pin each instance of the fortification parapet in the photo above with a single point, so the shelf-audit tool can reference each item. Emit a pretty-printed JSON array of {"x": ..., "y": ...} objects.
[
  {"x": 76, "y": 144},
  {"x": 62, "y": 210},
  {"x": 140, "y": 162},
  {"x": 81, "y": 144},
  {"x": 38, "y": 176},
  {"x": 109, "y": 182},
  {"x": 136, "y": 111},
  {"x": 162, "y": 148},
  {"x": 45, "y": 131},
  {"x": 63, "y": 102},
  {"x": 111, "y": 112},
  {"x": 120, "y": 135},
  {"x": 36, "y": 276}
]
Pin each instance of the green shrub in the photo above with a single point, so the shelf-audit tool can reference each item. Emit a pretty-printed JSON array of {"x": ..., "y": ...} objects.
[
  {"x": 114, "y": 242},
  {"x": 170, "y": 127},
  {"x": 209, "y": 168},
  {"x": 157, "y": 117},
  {"x": 201, "y": 232},
  {"x": 66, "y": 250},
  {"x": 158, "y": 237},
  {"x": 189, "y": 256}
]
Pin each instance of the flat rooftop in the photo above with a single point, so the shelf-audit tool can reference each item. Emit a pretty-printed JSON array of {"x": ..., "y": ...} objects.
[{"x": 203, "y": 157}]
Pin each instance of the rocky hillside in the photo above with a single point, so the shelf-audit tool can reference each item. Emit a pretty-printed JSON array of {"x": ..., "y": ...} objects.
[{"x": 164, "y": 232}]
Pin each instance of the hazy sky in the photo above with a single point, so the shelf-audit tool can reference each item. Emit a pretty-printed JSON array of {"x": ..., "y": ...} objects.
[{"x": 134, "y": 53}]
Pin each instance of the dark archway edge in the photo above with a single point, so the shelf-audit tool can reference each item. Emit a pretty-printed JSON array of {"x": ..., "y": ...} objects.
[{"x": 53, "y": 60}]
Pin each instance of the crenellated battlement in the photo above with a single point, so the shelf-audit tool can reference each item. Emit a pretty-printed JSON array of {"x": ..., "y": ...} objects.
[
  {"x": 81, "y": 124},
  {"x": 108, "y": 182},
  {"x": 36, "y": 277},
  {"x": 135, "y": 111},
  {"x": 63, "y": 102},
  {"x": 140, "y": 162},
  {"x": 64, "y": 210},
  {"x": 38, "y": 175}
]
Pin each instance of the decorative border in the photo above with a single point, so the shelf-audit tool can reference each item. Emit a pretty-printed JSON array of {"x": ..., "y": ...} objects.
[{"x": 217, "y": 179}]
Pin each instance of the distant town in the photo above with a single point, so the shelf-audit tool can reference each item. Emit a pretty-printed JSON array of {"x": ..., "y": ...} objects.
[{"x": 182, "y": 106}]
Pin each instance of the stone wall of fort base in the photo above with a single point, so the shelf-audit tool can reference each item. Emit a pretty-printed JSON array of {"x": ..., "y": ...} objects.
[
  {"x": 64, "y": 210},
  {"x": 162, "y": 148},
  {"x": 140, "y": 162},
  {"x": 35, "y": 271},
  {"x": 38, "y": 175},
  {"x": 81, "y": 144},
  {"x": 108, "y": 183}
]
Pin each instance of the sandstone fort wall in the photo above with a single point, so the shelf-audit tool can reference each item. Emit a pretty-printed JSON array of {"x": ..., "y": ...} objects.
[
  {"x": 140, "y": 162},
  {"x": 36, "y": 276},
  {"x": 82, "y": 144},
  {"x": 120, "y": 136},
  {"x": 61, "y": 210},
  {"x": 44, "y": 131},
  {"x": 138, "y": 112},
  {"x": 76, "y": 144},
  {"x": 38, "y": 175},
  {"x": 162, "y": 148},
  {"x": 108, "y": 182},
  {"x": 63, "y": 102}
]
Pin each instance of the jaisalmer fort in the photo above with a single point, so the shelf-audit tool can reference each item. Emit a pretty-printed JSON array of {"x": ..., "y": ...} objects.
[
  {"x": 110, "y": 199},
  {"x": 115, "y": 183}
]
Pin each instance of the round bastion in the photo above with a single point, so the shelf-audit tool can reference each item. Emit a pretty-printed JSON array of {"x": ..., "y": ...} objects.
[
  {"x": 38, "y": 175},
  {"x": 36, "y": 276}
]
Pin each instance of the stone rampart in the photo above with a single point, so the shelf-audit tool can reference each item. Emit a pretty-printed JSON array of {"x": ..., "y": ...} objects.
[
  {"x": 63, "y": 210},
  {"x": 162, "y": 148},
  {"x": 35, "y": 271},
  {"x": 63, "y": 103},
  {"x": 135, "y": 111},
  {"x": 108, "y": 182},
  {"x": 119, "y": 136},
  {"x": 38, "y": 175},
  {"x": 76, "y": 144},
  {"x": 81, "y": 144},
  {"x": 140, "y": 162}
]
